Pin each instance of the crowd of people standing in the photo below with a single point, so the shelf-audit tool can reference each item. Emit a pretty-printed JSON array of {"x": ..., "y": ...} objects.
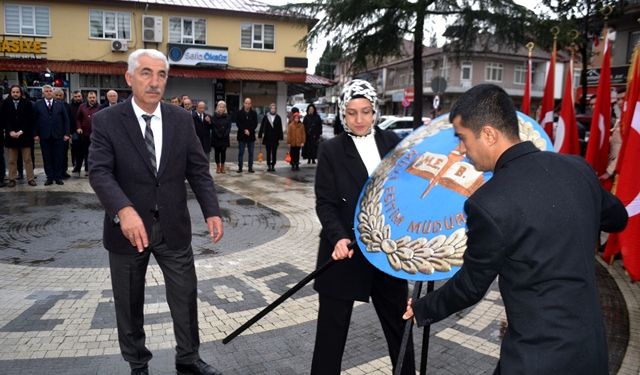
[{"x": 59, "y": 126}]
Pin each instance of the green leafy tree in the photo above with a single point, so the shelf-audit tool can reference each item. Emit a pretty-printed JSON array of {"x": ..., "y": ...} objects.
[{"x": 369, "y": 30}]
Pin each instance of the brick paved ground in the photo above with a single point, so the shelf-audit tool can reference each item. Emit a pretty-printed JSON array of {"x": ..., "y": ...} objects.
[{"x": 56, "y": 306}]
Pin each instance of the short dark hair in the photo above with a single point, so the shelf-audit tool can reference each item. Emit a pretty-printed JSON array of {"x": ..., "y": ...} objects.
[{"x": 487, "y": 104}]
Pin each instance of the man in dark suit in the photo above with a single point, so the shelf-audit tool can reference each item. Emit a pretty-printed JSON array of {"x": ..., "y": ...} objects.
[
  {"x": 202, "y": 124},
  {"x": 51, "y": 128},
  {"x": 247, "y": 122},
  {"x": 344, "y": 164},
  {"x": 112, "y": 99},
  {"x": 140, "y": 155},
  {"x": 535, "y": 224},
  {"x": 58, "y": 94}
]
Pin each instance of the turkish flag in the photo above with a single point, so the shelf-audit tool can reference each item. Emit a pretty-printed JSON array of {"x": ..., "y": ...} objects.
[
  {"x": 628, "y": 190},
  {"x": 566, "y": 139},
  {"x": 546, "y": 111},
  {"x": 526, "y": 99},
  {"x": 598, "y": 146}
]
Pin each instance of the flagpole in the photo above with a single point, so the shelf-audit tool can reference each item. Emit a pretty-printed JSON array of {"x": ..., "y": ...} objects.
[{"x": 526, "y": 100}]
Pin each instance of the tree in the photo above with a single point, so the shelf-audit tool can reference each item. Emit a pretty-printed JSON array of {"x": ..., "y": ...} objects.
[
  {"x": 331, "y": 55},
  {"x": 369, "y": 30}
]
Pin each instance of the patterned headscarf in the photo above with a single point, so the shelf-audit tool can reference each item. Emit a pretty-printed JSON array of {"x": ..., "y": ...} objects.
[{"x": 357, "y": 88}]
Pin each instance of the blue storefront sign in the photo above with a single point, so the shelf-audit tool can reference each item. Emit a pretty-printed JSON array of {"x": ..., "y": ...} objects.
[{"x": 179, "y": 54}]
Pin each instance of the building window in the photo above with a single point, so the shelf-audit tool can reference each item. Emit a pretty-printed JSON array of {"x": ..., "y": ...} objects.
[
  {"x": 466, "y": 70},
  {"x": 257, "y": 36},
  {"x": 109, "y": 25},
  {"x": 520, "y": 74},
  {"x": 26, "y": 20},
  {"x": 186, "y": 30},
  {"x": 428, "y": 75},
  {"x": 576, "y": 78},
  {"x": 493, "y": 72},
  {"x": 444, "y": 69}
]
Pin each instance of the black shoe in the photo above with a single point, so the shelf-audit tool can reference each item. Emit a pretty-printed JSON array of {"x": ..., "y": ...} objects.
[
  {"x": 239, "y": 170},
  {"x": 48, "y": 182},
  {"x": 251, "y": 170},
  {"x": 140, "y": 371},
  {"x": 12, "y": 183},
  {"x": 66, "y": 175},
  {"x": 199, "y": 367},
  {"x": 59, "y": 182},
  {"x": 3, "y": 184}
]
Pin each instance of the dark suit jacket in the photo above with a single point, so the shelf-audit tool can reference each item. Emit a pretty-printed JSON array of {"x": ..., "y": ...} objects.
[
  {"x": 536, "y": 224},
  {"x": 249, "y": 121},
  {"x": 16, "y": 120},
  {"x": 203, "y": 130},
  {"x": 271, "y": 134},
  {"x": 121, "y": 174},
  {"x": 52, "y": 123},
  {"x": 340, "y": 176}
]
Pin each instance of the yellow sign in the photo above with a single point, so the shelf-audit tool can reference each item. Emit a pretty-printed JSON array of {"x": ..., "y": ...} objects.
[{"x": 22, "y": 46}]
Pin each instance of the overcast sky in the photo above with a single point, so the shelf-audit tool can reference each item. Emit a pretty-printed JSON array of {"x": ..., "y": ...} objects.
[{"x": 431, "y": 24}]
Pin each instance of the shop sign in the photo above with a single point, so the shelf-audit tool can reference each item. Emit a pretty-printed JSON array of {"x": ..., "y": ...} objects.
[
  {"x": 22, "y": 47},
  {"x": 197, "y": 56}
]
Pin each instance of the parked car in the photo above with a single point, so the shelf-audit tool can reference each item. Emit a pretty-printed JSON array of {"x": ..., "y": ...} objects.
[
  {"x": 329, "y": 119},
  {"x": 401, "y": 125}
]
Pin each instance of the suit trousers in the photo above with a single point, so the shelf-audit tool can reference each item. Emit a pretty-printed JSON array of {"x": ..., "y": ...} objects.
[
  {"x": 13, "y": 162},
  {"x": 128, "y": 279},
  {"x": 389, "y": 297},
  {"x": 272, "y": 151},
  {"x": 241, "y": 146},
  {"x": 82, "y": 154},
  {"x": 52, "y": 157}
]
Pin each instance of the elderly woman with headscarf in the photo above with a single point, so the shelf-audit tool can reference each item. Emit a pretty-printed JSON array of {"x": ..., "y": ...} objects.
[{"x": 344, "y": 164}]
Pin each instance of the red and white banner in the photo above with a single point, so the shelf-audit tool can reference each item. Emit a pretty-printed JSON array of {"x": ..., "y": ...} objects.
[
  {"x": 598, "y": 147},
  {"x": 546, "y": 111},
  {"x": 566, "y": 137}
]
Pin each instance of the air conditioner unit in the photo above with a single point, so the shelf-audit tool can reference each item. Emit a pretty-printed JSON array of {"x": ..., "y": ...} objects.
[
  {"x": 119, "y": 45},
  {"x": 152, "y": 29}
]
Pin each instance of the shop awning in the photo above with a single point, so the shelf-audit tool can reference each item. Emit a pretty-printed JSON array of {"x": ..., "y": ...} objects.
[{"x": 110, "y": 68}]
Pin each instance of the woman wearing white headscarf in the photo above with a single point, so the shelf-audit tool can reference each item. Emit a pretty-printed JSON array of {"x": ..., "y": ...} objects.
[{"x": 344, "y": 164}]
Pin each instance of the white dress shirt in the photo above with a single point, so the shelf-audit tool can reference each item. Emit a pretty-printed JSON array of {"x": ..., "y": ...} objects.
[
  {"x": 156, "y": 127},
  {"x": 368, "y": 150}
]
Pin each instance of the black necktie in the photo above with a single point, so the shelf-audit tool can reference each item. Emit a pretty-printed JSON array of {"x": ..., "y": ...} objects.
[
  {"x": 49, "y": 104},
  {"x": 149, "y": 142}
]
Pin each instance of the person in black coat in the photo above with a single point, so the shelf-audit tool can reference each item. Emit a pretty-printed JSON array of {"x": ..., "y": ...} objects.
[
  {"x": 535, "y": 225},
  {"x": 313, "y": 129},
  {"x": 202, "y": 123},
  {"x": 16, "y": 113},
  {"x": 58, "y": 94},
  {"x": 342, "y": 171},
  {"x": 271, "y": 133},
  {"x": 221, "y": 127},
  {"x": 51, "y": 129},
  {"x": 145, "y": 200},
  {"x": 247, "y": 122}
]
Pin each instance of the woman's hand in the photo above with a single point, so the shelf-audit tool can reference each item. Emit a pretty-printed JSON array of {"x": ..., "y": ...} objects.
[{"x": 341, "y": 251}]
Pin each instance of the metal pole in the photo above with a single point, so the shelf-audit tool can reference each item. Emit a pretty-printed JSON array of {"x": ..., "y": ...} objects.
[
  {"x": 425, "y": 338},
  {"x": 417, "y": 288}
]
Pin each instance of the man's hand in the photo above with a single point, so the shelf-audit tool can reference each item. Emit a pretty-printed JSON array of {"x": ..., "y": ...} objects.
[
  {"x": 66, "y": 138},
  {"x": 216, "y": 230},
  {"x": 341, "y": 251},
  {"x": 36, "y": 138},
  {"x": 409, "y": 313},
  {"x": 79, "y": 131},
  {"x": 246, "y": 132},
  {"x": 133, "y": 228}
]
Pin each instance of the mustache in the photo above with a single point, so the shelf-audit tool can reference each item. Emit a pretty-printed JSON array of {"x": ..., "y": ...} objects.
[{"x": 152, "y": 90}]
